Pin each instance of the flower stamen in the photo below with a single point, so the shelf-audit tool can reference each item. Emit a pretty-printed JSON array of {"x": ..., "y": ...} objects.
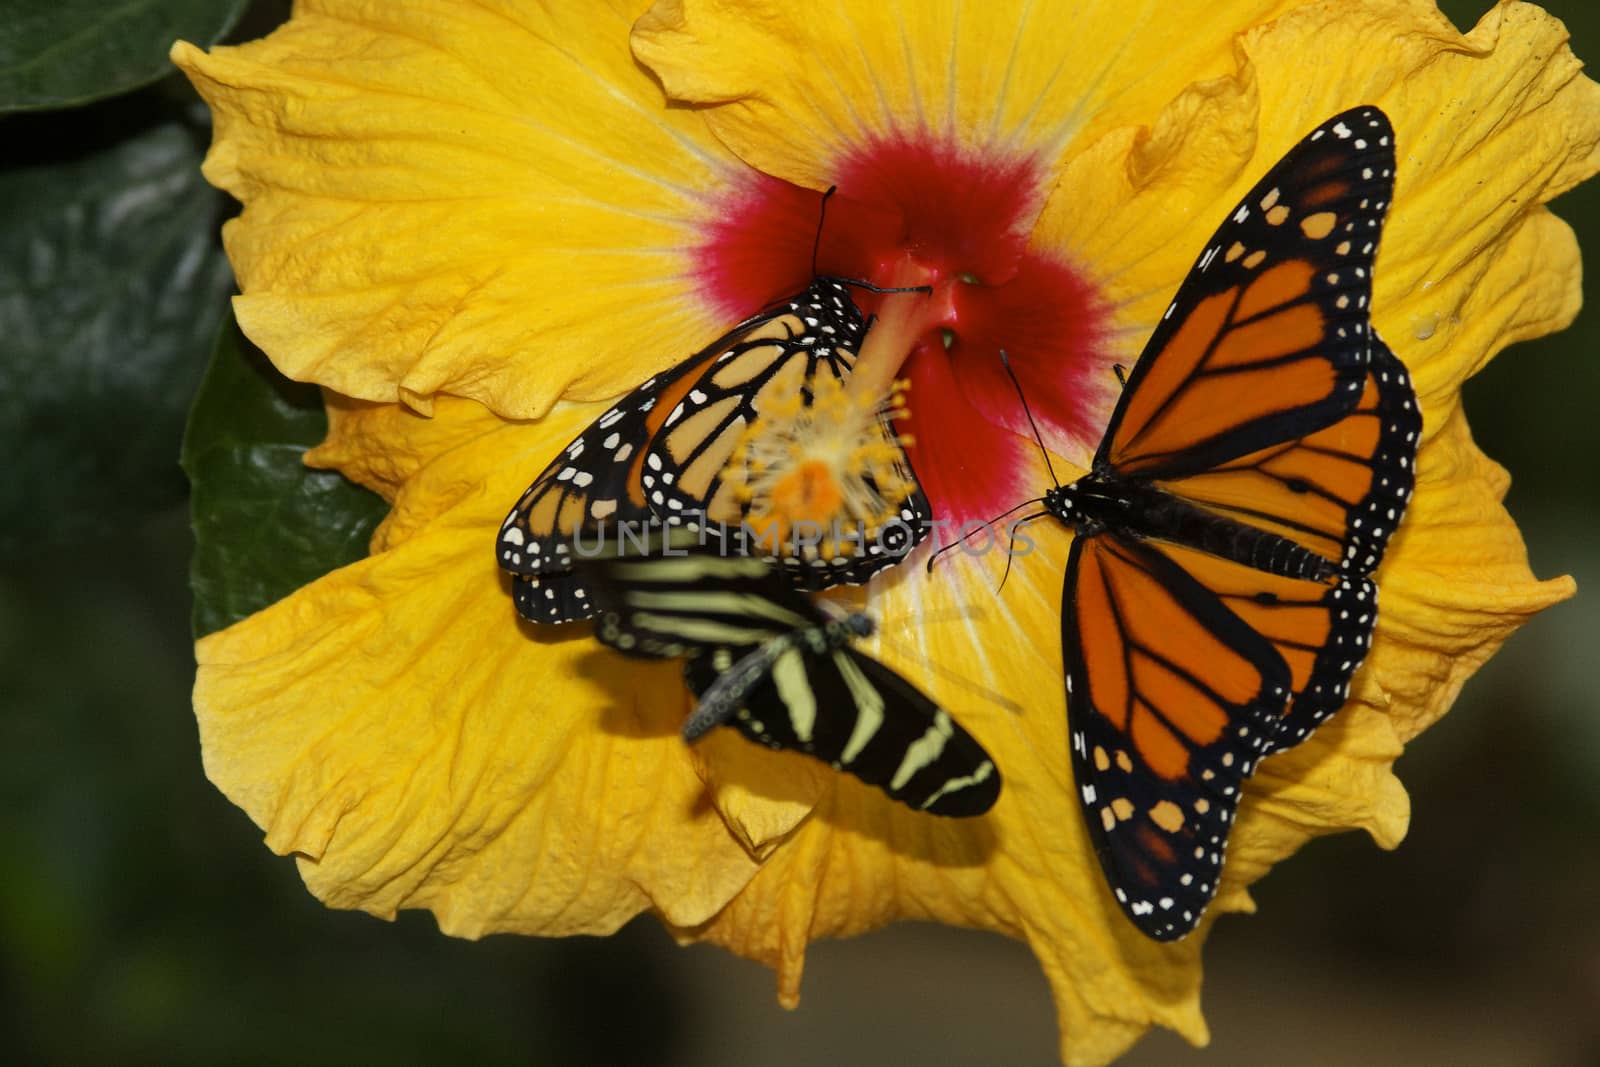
[{"x": 830, "y": 467}]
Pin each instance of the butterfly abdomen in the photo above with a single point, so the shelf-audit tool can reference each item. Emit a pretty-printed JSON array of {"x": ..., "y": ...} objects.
[
  {"x": 1131, "y": 509},
  {"x": 722, "y": 700}
]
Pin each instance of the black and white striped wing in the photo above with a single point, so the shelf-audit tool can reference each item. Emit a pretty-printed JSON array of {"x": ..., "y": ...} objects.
[
  {"x": 860, "y": 717},
  {"x": 664, "y": 606},
  {"x": 776, "y": 668}
]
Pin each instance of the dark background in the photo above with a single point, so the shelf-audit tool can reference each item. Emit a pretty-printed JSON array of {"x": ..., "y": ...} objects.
[{"x": 141, "y": 919}]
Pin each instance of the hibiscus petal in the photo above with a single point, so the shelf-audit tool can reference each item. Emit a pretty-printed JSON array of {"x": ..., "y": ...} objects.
[
  {"x": 421, "y": 182},
  {"x": 801, "y": 85},
  {"x": 382, "y": 446}
]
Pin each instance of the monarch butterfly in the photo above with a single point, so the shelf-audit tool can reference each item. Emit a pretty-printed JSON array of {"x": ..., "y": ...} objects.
[
  {"x": 1216, "y": 600},
  {"x": 765, "y": 660},
  {"x": 629, "y": 467}
]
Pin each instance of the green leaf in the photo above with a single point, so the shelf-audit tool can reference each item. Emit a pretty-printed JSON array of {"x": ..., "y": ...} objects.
[
  {"x": 69, "y": 52},
  {"x": 112, "y": 281},
  {"x": 264, "y": 523}
]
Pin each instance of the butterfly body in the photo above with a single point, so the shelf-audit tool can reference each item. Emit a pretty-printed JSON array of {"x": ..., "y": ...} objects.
[
  {"x": 1217, "y": 598},
  {"x": 724, "y": 698},
  {"x": 1130, "y": 509}
]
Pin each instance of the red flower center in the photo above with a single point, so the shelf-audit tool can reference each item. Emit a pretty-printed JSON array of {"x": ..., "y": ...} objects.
[{"x": 960, "y": 221}]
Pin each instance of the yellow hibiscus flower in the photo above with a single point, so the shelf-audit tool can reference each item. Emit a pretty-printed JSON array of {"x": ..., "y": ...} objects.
[{"x": 475, "y": 224}]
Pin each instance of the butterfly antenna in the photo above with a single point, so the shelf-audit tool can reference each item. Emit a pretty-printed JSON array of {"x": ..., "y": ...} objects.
[
  {"x": 1043, "y": 451},
  {"x": 816, "y": 249},
  {"x": 987, "y": 524},
  {"x": 1122, "y": 374},
  {"x": 822, "y": 219},
  {"x": 869, "y": 287},
  {"x": 934, "y": 558},
  {"x": 1011, "y": 549}
]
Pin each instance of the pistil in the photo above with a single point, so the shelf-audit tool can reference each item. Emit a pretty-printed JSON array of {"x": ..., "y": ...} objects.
[{"x": 904, "y": 321}]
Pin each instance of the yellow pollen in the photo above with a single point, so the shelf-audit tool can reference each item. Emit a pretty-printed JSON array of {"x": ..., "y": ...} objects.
[{"x": 832, "y": 466}]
